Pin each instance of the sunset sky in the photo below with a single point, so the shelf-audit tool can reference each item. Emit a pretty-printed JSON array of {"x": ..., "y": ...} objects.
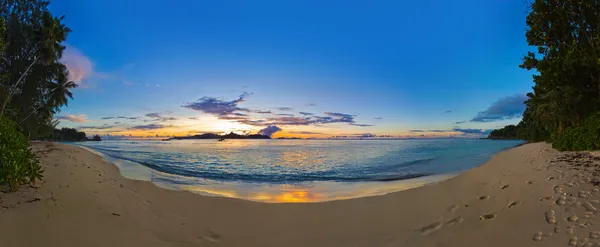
[{"x": 305, "y": 68}]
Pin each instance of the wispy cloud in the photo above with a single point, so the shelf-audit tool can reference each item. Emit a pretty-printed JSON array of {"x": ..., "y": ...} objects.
[
  {"x": 446, "y": 112},
  {"x": 285, "y": 114},
  {"x": 305, "y": 132},
  {"x": 262, "y": 112},
  {"x": 378, "y": 118},
  {"x": 96, "y": 127},
  {"x": 120, "y": 117},
  {"x": 473, "y": 131},
  {"x": 148, "y": 127},
  {"x": 505, "y": 108},
  {"x": 81, "y": 118},
  {"x": 361, "y": 125},
  {"x": 306, "y": 113},
  {"x": 284, "y": 108},
  {"x": 159, "y": 117},
  {"x": 460, "y": 122}
]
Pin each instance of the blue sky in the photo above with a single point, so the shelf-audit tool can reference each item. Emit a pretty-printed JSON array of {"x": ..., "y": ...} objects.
[{"x": 395, "y": 66}]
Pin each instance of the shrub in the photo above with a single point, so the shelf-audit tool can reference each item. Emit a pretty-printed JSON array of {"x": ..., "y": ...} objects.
[
  {"x": 585, "y": 136},
  {"x": 18, "y": 164}
]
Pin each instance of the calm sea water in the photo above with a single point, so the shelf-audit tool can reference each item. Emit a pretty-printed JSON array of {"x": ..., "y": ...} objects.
[{"x": 296, "y": 170}]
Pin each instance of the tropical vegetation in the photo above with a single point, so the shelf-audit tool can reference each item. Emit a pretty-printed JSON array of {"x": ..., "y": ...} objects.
[
  {"x": 565, "y": 101},
  {"x": 34, "y": 84}
]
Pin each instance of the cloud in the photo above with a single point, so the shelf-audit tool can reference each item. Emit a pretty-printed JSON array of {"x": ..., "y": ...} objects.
[
  {"x": 216, "y": 106},
  {"x": 81, "y": 118},
  {"x": 230, "y": 110},
  {"x": 305, "y": 132},
  {"x": 460, "y": 122},
  {"x": 269, "y": 130},
  {"x": 158, "y": 117},
  {"x": 193, "y": 118},
  {"x": 148, "y": 127},
  {"x": 416, "y": 131},
  {"x": 377, "y": 118},
  {"x": 262, "y": 112},
  {"x": 290, "y": 121},
  {"x": 153, "y": 115},
  {"x": 284, "y": 108},
  {"x": 446, "y": 112},
  {"x": 473, "y": 131},
  {"x": 79, "y": 65},
  {"x": 96, "y": 127},
  {"x": 312, "y": 104},
  {"x": 361, "y": 125},
  {"x": 505, "y": 108}
]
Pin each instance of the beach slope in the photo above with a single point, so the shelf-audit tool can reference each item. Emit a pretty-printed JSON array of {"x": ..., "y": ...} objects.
[{"x": 525, "y": 196}]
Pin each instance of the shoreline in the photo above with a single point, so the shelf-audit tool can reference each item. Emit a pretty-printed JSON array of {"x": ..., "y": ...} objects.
[
  {"x": 292, "y": 192},
  {"x": 84, "y": 201}
]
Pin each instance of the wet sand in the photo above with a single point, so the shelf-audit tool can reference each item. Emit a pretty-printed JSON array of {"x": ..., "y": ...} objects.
[{"x": 526, "y": 196}]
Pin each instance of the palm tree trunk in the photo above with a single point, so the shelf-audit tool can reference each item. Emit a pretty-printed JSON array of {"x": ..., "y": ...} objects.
[
  {"x": 36, "y": 109},
  {"x": 15, "y": 86}
]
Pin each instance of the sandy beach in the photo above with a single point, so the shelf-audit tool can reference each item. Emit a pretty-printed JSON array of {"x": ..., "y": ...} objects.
[{"x": 530, "y": 195}]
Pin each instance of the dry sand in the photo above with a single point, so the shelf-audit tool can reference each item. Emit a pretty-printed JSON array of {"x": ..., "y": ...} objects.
[{"x": 527, "y": 196}]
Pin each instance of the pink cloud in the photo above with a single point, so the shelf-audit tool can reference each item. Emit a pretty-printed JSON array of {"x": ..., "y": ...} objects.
[
  {"x": 79, "y": 65},
  {"x": 81, "y": 118}
]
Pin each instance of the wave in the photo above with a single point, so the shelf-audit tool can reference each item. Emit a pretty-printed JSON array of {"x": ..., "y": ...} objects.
[{"x": 376, "y": 173}]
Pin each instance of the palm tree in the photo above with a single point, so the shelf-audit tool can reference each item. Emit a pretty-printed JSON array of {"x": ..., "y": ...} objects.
[
  {"x": 59, "y": 93},
  {"x": 48, "y": 47}
]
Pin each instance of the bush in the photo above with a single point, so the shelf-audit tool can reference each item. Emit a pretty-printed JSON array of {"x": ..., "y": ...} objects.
[
  {"x": 18, "y": 164},
  {"x": 585, "y": 136}
]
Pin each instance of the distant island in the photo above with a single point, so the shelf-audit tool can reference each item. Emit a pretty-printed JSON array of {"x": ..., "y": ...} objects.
[{"x": 215, "y": 136}]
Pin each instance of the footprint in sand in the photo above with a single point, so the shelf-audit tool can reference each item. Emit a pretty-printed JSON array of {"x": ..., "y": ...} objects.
[
  {"x": 483, "y": 197},
  {"x": 455, "y": 221},
  {"x": 488, "y": 216},
  {"x": 558, "y": 190},
  {"x": 530, "y": 182},
  {"x": 212, "y": 237},
  {"x": 546, "y": 198},
  {"x": 550, "y": 218},
  {"x": 453, "y": 208},
  {"x": 557, "y": 229},
  {"x": 561, "y": 201},
  {"x": 504, "y": 187},
  {"x": 512, "y": 204},
  {"x": 573, "y": 241},
  {"x": 594, "y": 235},
  {"x": 431, "y": 227}
]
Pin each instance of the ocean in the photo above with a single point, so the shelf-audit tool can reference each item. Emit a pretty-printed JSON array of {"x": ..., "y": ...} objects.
[{"x": 295, "y": 170}]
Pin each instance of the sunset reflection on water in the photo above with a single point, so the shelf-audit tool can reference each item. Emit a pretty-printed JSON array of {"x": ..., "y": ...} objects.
[{"x": 315, "y": 192}]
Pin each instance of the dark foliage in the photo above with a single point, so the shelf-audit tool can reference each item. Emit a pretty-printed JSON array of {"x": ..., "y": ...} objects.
[
  {"x": 585, "y": 136},
  {"x": 567, "y": 84},
  {"x": 68, "y": 134},
  {"x": 508, "y": 132},
  {"x": 18, "y": 164}
]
